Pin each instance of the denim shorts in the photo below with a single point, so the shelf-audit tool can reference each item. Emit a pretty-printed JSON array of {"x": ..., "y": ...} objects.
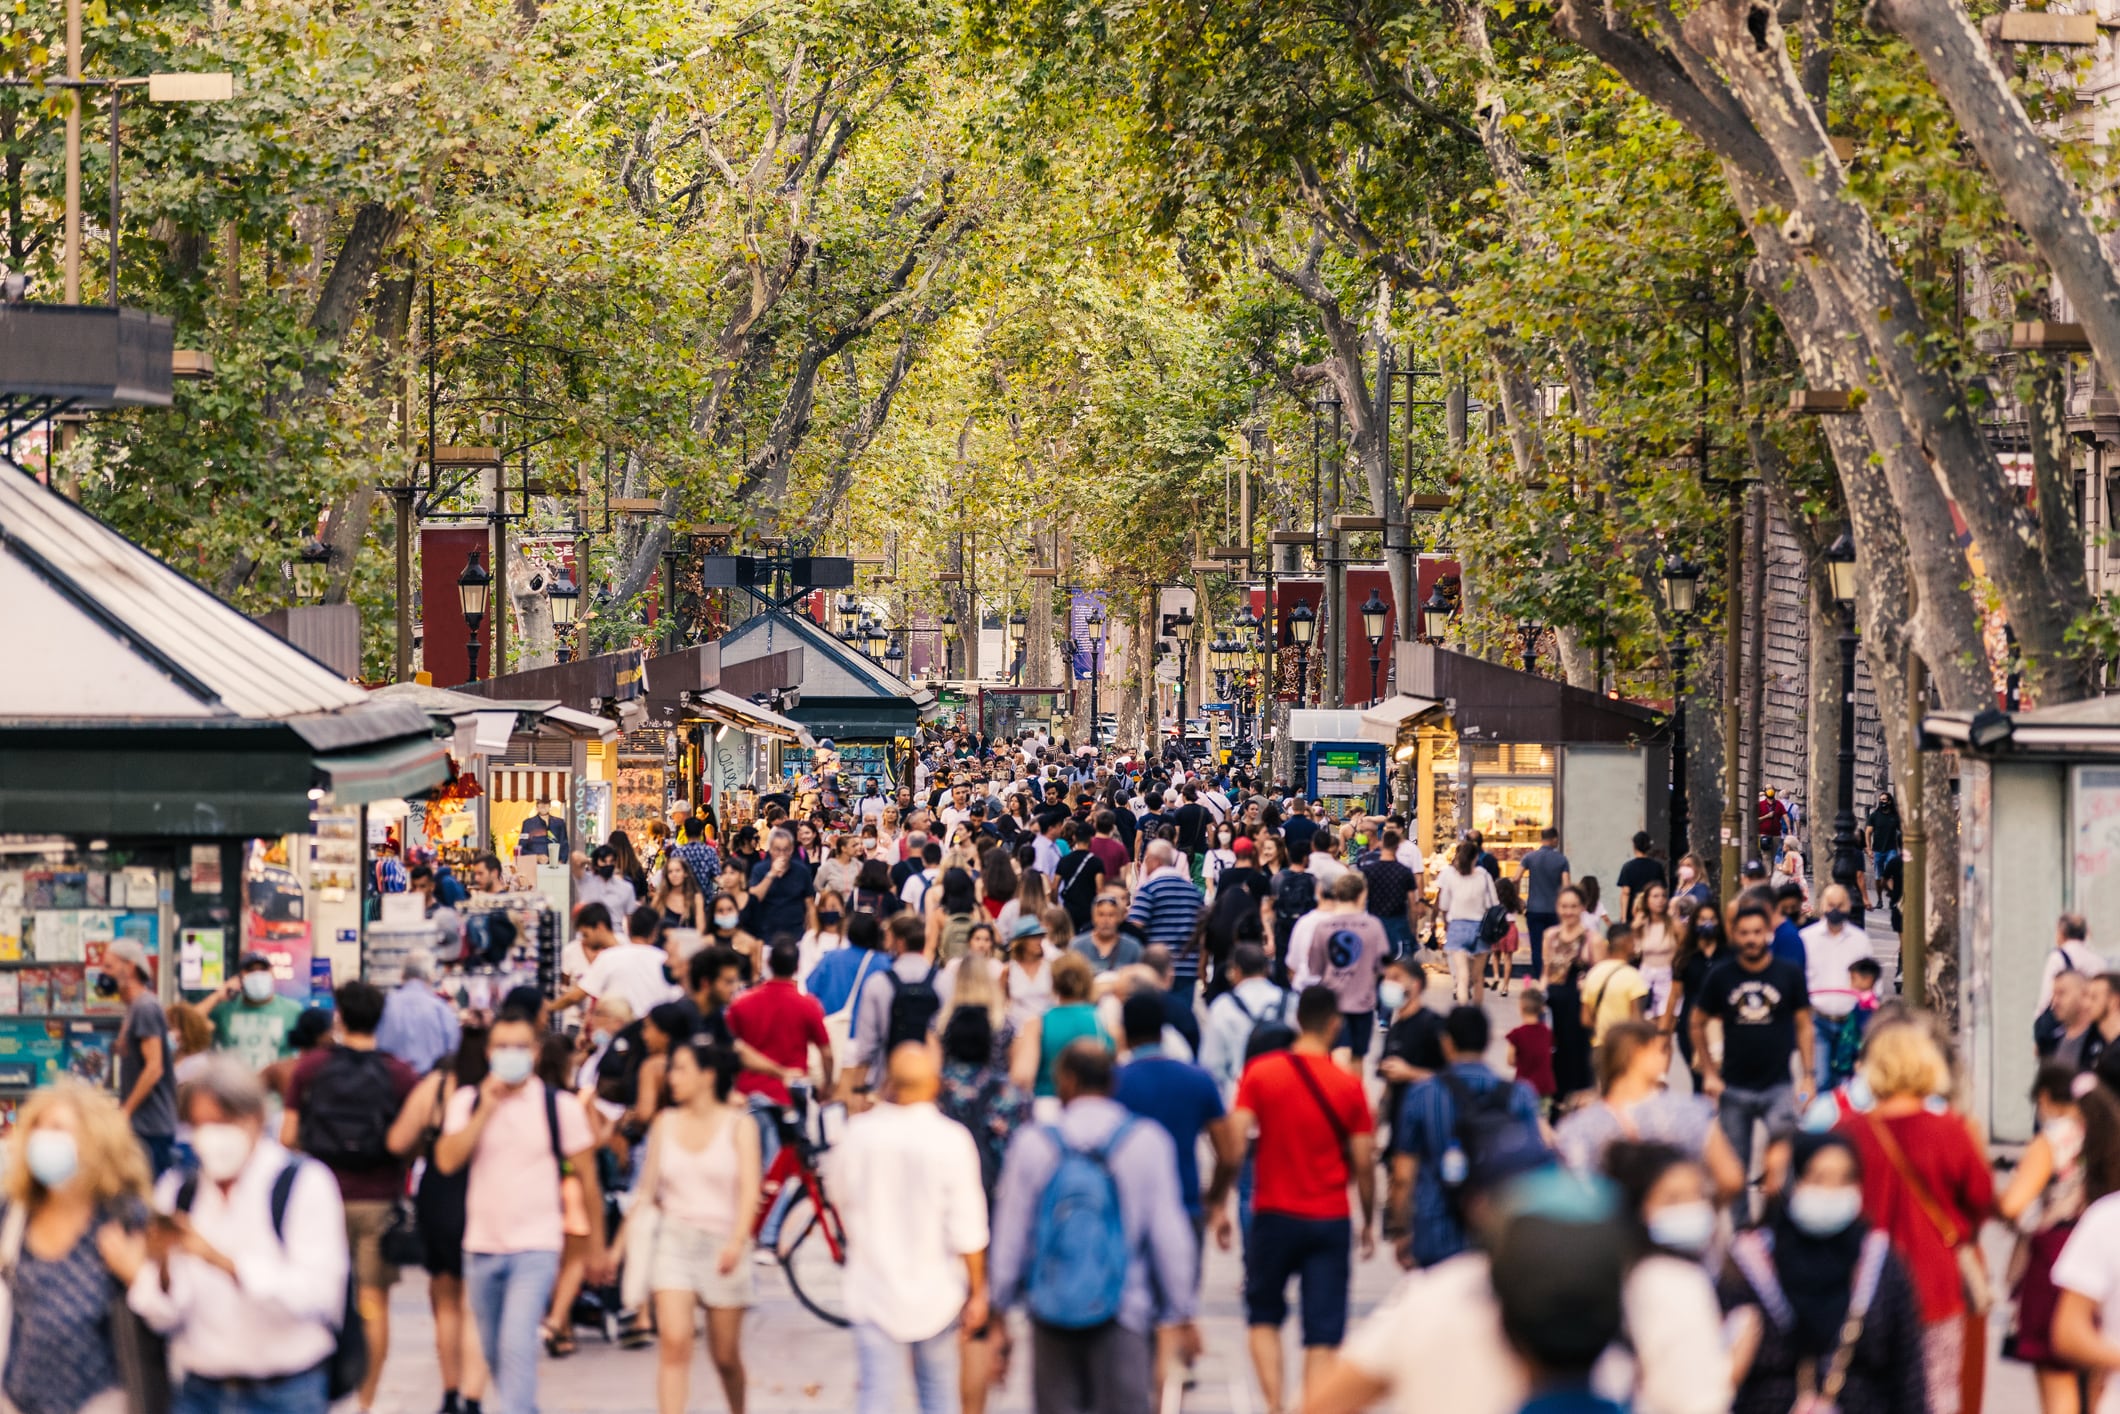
[{"x": 1463, "y": 935}]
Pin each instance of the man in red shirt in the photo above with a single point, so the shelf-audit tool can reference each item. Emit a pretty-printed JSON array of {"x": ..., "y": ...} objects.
[
  {"x": 1315, "y": 1134},
  {"x": 775, "y": 1024},
  {"x": 1107, "y": 846}
]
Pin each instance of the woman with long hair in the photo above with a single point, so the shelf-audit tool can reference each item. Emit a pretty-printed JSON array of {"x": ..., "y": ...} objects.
[
  {"x": 2086, "y": 1324},
  {"x": 1927, "y": 1185},
  {"x": 70, "y": 1236},
  {"x": 828, "y": 936},
  {"x": 952, "y": 909},
  {"x": 1700, "y": 947},
  {"x": 1463, "y": 894},
  {"x": 698, "y": 1192},
  {"x": 1030, "y": 901},
  {"x": 1632, "y": 1103},
  {"x": 1273, "y": 855},
  {"x": 842, "y": 864},
  {"x": 629, "y": 866},
  {"x": 1816, "y": 1275},
  {"x": 889, "y": 834},
  {"x": 997, "y": 880},
  {"x": 438, "y": 1203},
  {"x": 2045, "y": 1198},
  {"x": 1673, "y": 1325},
  {"x": 1656, "y": 942},
  {"x": 677, "y": 895},
  {"x": 809, "y": 845},
  {"x": 1567, "y": 962},
  {"x": 873, "y": 893}
]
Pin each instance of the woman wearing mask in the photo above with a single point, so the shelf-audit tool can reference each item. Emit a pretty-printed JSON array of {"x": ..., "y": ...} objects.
[
  {"x": 1692, "y": 884},
  {"x": 76, "y": 1191},
  {"x": 1633, "y": 1105},
  {"x": 1700, "y": 947},
  {"x": 828, "y": 936},
  {"x": 1567, "y": 962},
  {"x": 1656, "y": 940},
  {"x": 1463, "y": 894},
  {"x": 698, "y": 1192},
  {"x": 1816, "y": 1275},
  {"x": 679, "y": 898},
  {"x": 1221, "y": 854},
  {"x": 2078, "y": 1118},
  {"x": 438, "y": 1202},
  {"x": 1930, "y": 1189},
  {"x": 728, "y": 932},
  {"x": 1675, "y": 1361}
]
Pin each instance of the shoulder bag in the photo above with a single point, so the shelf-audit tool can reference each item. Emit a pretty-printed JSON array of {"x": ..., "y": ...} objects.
[{"x": 1972, "y": 1268}]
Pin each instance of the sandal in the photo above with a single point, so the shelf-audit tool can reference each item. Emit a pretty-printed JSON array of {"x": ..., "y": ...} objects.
[
  {"x": 636, "y": 1333},
  {"x": 559, "y": 1342}
]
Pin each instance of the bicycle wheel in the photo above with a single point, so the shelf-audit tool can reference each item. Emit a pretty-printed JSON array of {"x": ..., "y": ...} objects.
[{"x": 812, "y": 1252}]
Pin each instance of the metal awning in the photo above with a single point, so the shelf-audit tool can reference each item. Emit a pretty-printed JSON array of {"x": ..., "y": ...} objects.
[
  {"x": 583, "y": 724},
  {"x": 720, "y": 706},
  {"x": 1382, "y": 722},
  {"x": 2090, "y": 726},
  {"x": 392, "y": 771},
  {"x": 1325, "y": 724}
]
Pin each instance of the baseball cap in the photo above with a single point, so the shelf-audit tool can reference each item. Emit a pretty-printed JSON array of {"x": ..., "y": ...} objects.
[
  {"x": 1754, "y": 869},
  {"x": 1241, "y": 845},
  {"x": 128, "y": 950},
  {"x": 252, "y": 960}
]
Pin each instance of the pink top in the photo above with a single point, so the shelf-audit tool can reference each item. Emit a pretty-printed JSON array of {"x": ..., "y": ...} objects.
[
  {"x": 513, "y": 1202},
  {"x": 697, "y": 1187}
]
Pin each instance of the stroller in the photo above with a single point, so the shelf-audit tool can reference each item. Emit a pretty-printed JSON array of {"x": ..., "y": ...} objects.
[{"x": 597, "y": 1306}]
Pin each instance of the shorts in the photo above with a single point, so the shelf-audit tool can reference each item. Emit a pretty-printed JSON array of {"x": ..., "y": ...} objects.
[
  {"x": 687, "y": 1258},
  {"x": 1356, "y": 1027},
  {"x": 1318, "y": 1250},
  {"x": 1463, "y": 935},
  {"x": 366, "y": 1221}
]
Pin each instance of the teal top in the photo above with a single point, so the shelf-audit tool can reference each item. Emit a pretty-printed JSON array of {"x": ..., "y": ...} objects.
[{"x": 1062, "y": 1027}]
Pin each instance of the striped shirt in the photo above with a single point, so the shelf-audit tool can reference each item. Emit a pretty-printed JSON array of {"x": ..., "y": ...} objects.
[{"x": 1167, "y": 910}]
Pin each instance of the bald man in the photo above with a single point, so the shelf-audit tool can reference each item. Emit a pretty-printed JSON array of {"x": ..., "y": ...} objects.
[
  {"x": 907, "y": 1181},
  {"x": 1830, "y": 946}
]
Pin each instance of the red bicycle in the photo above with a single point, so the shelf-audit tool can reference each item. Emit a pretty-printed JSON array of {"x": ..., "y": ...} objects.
[{"x": 810, "y": 1243}]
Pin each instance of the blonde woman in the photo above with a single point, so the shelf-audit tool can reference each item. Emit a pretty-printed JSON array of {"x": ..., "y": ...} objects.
[
  {"x": 890, "y": 836},
  {"x": 76, "y": 1211}
]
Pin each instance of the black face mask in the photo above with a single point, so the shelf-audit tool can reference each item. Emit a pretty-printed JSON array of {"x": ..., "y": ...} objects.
[{"x": 604, "y": 871}]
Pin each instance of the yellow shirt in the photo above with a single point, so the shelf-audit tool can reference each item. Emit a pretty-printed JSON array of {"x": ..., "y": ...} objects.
[{"x": 1616, "y": 989}]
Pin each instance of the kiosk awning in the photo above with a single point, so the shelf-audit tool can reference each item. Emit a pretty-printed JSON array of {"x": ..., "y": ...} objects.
[
  {"x": 750, "y": 717},
  {"x": 1382, "y": 722},
  {"x": 393, "y": 770}
]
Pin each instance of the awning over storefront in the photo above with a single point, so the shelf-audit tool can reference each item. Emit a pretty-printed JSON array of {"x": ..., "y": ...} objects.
[
  {"x": 388, "y": 772},
  {"x": 721, "y": 706},
  {"x": 2089, "y": 727},
  {"x": 1382, "y": 722},
  {"x": 1489, "y": 702}
]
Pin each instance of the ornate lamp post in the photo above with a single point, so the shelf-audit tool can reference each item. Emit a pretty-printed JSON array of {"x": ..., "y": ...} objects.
[
  {"x": 472, "y": 587},
  {"x": 1181, "y": 627},
  {"x": 1681, "y": 584},
  {"x": 1847, "y": 847},
  {"x": 565, "y": 597},
  {"x": 849, "y": 616},
  {"x": 1435, "y": 616},
  {"x": 312, "y": 569},
  {"x": 1374, "y": 612},
  {"x": 1302, "y": 627},
  {"x": 1018, "y": 627},
  {"x": 1094, "y": 621},
  {"x": 1527, "y": 632}
]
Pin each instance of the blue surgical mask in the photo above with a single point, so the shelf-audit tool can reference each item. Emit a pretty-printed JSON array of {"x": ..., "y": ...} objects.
[
  {"x": 513, "y": 1064},
  {"x": 258, "y": 986},
  {"x": 1821, "y": 1211},
  {"x": 1683, "y": 1227},
  {"x": 52, "y": 1157}
]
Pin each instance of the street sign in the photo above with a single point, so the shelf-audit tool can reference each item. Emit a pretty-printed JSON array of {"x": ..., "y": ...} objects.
[{"x": 1167, "y": 670}]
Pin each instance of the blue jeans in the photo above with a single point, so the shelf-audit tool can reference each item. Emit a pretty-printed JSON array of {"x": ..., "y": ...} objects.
[
  {"x": 1738, "y": 1110},
  {"x": 880, "y": 1362},
  {"x": 161, "y": 1151},
  {"x": 767, "y": 1114},
  {"x": 509, "y": 1292},
  {"x": 296, "y": 1394}
]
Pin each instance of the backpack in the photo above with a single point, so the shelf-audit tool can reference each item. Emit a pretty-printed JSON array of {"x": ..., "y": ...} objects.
[
  {"x": 1078, "y": 884},
  {"x": 956, "y": 937},
  {"x": 914, "y": 1006},
  {"x": 1483, "y": 1130},
  {"x": 347, "y": 1109},
  {"x": 348, "y": 1363},
  {"x": 1295, "y": 893},
  {"x": 1268, "y": 1032},
  {"x": 1079, "y": 1253}
]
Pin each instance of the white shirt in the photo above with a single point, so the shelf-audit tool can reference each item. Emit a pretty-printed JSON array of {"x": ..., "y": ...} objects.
[
  {"x": 2090, "y": 1266},
  {"x": 632, "y": 972},
  {"x": 278, "y": 1315},
  {"x": 1300, "y": 938},
  {"x": 1409, "y": 855},
  {"x": 1228, "y": 1029},
  {"x": 1327, "y": 869},
  {"x": 952, "y": 817},
  {"x": 1045, "y": 855},
  {"x": 1216, "y": 802},
  {"x": 2086, "y": 962},
  {"x": 1463, "y": 897},
  {"x": 1826, "y": 958},
  {"x": 914, "y": 891},
  {"x": 614, "y": 893},
  {"x": 906, "y": 1178}
]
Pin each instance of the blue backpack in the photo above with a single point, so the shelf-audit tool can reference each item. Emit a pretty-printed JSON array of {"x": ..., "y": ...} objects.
[{"x": 1079, "y": 1253}]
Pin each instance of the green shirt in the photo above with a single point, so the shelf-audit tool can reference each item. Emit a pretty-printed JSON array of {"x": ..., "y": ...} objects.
[
  {"x": 255, "y": 1035},
  {"x": 1057, "y": 1030}
]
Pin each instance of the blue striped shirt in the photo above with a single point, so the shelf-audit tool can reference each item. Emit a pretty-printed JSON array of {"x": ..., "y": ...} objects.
[{"x": 1167, "y": 910}]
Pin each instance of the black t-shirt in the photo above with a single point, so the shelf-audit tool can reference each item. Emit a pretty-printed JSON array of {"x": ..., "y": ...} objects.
[
  {"x": 1884, "y": 830},
  {"x": 1080, "y": 876},
  {"x": 1127, "y": 826},
  {"x": 1639, "y": 873},
  {"x": 1299, "y": 829},
  {"x": 1693, "y": 979},
  {"x": 1758, "y": 1012},
  {"x": 1417, "y": 1040},
  {"x": 1192, "y": 820}
]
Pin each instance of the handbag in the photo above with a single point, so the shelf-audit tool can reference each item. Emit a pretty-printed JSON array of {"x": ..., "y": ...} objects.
[
  {"x": 643, "y": 1228},
  {"x": 1973, "y": 1277}
]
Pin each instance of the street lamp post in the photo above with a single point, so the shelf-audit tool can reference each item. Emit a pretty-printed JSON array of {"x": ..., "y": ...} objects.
[
  {"x": 312, "y": 569},
  {"x": 1374, "y": 611},
  {"x": 1681, "y": 583},
  {"x": 1302, "y": 625},
  {"x": 1018, "y": 627},
  {"x": 1095, "y": 623},
  {"x": 1435, "y": 616},
  {"x": 1181, "y": 627},
  {"x": 1847, "y": 849},
  {"x": 472, "y": 587},
  {"x": 565, "y": 597},
  {"x": 849, "y": 616},
  {"x": 1527, "y": 632}
]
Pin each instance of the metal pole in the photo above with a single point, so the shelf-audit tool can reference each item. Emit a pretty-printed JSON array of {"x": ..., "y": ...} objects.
[
  {"x": 116, "y": 97},
  {"x": 471, "y": 648},
  {"x": 1847, "y": 849},
  {"x": 1914, "y": 861},
  {"x": 1734, "y": 824},
  {"x": 402, "y": 496},
  {"x": 1681, "y": 806},
  {"x": 500, "y": 572},
  {"x": 73, "y": 152}
]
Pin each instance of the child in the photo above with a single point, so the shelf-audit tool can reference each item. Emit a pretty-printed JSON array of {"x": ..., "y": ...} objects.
[
  {"x": 1531, "y": 1043},
  {"x": 1501, "y": 959},
  {"x": 1846, "y": 1037}
]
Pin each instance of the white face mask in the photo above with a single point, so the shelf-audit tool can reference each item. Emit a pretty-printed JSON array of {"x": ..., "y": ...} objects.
[
  {"x": 1392, "y": 995},
  {"x": 1684, "y": 1227},
  {"x": 223, "y": 1149},
  {"x": 258, "y": 986},
  {"x": 513, "y": 1064},
  {"x": 1822, "y": 1211},
  {"x": 51, "y": 1156}
]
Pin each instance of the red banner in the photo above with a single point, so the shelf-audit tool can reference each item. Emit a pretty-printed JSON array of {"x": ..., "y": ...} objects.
[{"x": 444, "y": 639}]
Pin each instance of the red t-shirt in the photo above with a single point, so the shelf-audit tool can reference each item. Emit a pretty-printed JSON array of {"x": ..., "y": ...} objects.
[
  {"x": 1534, "y": 1056},
  {"x": 1298, "y": 1168},
  {"x": 1111, "y": 851},
  {"x": 781, "y": 1022},
  {"x": 376, "y": 1185},
  {"x": 1938, "y": 1150}
]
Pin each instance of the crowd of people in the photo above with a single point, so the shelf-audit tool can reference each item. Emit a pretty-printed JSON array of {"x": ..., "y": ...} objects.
[{"x": 1091, "y": 1019}]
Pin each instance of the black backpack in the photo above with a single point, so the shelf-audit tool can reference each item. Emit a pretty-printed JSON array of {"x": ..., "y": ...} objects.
[
  {"x": 348, "y": 1363},
  {"x": 1269, "y": 1032},
  {"x": 1295, "y": 893},
  {"x": 1079, "y": 884},
  {"x": 914, "y": 1006},
  {"x": 1484, "y": 1130},
  {"x": 347, "y": 1110}
]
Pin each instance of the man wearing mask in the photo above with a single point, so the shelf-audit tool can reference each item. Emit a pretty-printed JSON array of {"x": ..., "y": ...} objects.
[
  {"x": 1830, "y": 947},
  {"x": 516, "y": 1137},
  {"x": 1764, "y": 1005},
  {"x": 597, "y": 880},
  {"x": 247, "y": 1277},
  {"x": 250, "y": 1021}
]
